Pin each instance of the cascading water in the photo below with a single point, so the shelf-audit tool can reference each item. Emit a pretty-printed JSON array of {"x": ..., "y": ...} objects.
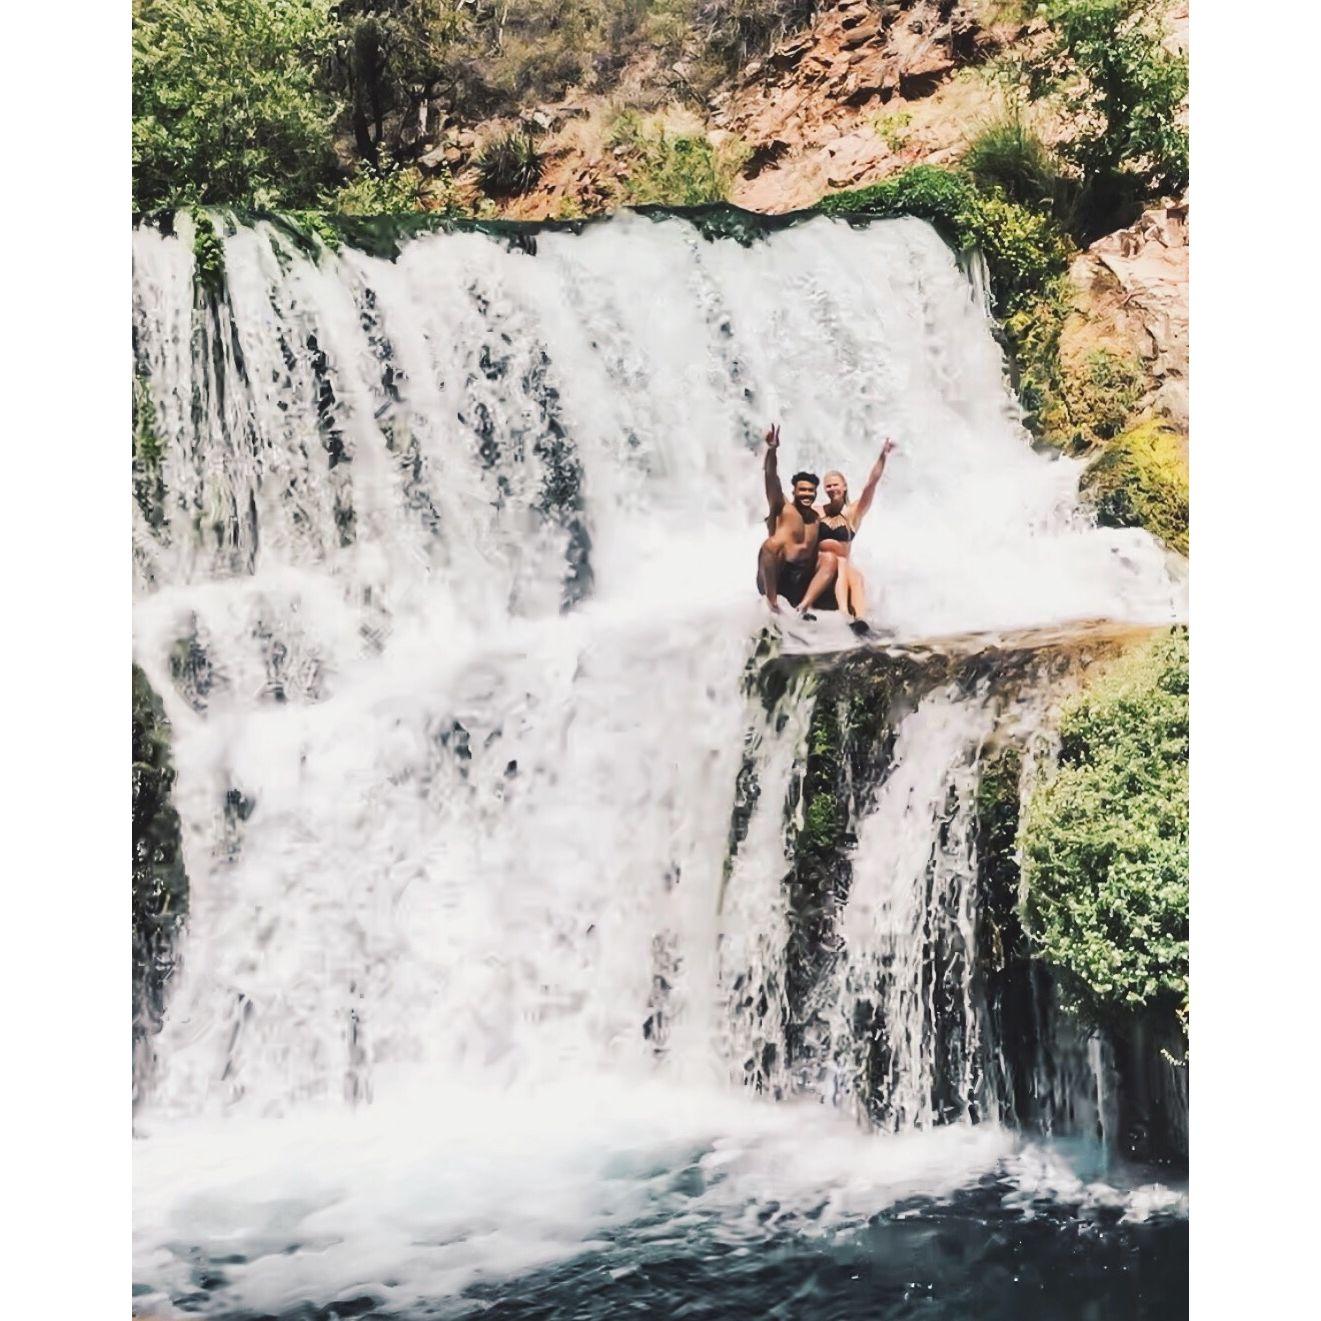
[{"x": 447, "y": 589}]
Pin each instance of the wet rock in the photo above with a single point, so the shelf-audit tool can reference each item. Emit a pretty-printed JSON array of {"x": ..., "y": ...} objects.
[{"x": 160, "y": 883}]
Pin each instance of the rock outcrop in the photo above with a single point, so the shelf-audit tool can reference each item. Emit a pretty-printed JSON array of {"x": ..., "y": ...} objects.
[{"x": 1132, "y": 290}]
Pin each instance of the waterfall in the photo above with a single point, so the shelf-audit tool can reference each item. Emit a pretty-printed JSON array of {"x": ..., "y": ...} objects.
[{"x": 445, "y": 580}]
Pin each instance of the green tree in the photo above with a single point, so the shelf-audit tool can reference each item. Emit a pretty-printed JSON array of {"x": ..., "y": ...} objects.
[
  {"x": 229, "y": 104},
  {"x": 1122, "y": 95},
  {"x": 392, "y": 58}
]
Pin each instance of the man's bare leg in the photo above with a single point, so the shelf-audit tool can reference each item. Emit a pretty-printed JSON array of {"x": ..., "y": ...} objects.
[
  {"x": 769, "y": 560},
  {"x": 824, "y": 576}
]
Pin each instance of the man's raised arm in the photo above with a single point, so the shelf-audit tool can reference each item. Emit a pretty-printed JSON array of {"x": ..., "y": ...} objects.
[
  {"x": 873, "y": 478},
  {"x": 774, "y": 491}
]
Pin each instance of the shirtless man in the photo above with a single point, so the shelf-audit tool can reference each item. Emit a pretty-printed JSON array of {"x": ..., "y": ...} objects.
[{"x": 787, "y": 564}]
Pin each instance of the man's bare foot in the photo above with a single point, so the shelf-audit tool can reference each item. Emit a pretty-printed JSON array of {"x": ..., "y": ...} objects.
[{"x": 773, "y": 606}]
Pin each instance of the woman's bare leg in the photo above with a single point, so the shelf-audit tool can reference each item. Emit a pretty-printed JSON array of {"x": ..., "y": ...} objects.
[
  {"x": 842, "y": 585},
  {"x": 827, "y": 567},
  {"x": 857, "y": 588}
]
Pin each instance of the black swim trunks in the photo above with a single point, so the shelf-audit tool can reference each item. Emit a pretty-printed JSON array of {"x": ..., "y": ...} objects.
[
  {"x": 795, "y": 575},
  {"x": 795, "y": 578}
]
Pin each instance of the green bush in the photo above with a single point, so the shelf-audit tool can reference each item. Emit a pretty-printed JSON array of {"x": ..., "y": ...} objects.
[
  {"x": 1023, "y": 249},
  {"x": 674, "y": 169},
  {"x": 227, "y": 107},
  {"x": 1104, "y": 840},
  {"x": 1141, "y": 480},
  {"x": 509, "y": 163},
  {"x": 1008, "y": 157},
  {"x": 948, "y": 199}
]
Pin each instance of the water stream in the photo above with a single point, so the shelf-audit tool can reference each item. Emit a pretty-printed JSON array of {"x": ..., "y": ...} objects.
[{"x": 447, "y": 590}]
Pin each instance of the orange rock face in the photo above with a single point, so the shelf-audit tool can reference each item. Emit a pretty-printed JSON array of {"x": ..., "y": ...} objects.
[{"x": 814, "y": 111}]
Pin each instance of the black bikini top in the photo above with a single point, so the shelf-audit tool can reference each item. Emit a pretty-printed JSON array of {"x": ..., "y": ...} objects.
[{"x": 841, "y": 533}]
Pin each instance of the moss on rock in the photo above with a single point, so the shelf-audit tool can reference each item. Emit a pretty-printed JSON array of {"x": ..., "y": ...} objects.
[
  {"x": 1141, "y": 480},
  {"x": 1104, "y": 841},
  {"x": 997, "y": 818},
  {"x": 148, "y": 450},
  {"x": 208, "y": 254}
]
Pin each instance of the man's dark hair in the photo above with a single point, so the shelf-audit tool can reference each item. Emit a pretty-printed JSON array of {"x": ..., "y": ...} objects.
[{"x": 806, "y": 477}]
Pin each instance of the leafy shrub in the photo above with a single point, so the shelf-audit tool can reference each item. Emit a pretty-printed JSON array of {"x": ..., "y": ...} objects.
[
  {"x": 1102, "y": 392},
  {"x": 674, "y": 169},
  {"x": 1105, "y": 840},
  {"x": 226, "y": 102},
  {"x": 509, "y": 163},
  {"x": 1141, "y": 480},
  {"x": 936, "y": 194},
  {"x": 1023, "y": 249},
  {"x": 386, "y": 191}
]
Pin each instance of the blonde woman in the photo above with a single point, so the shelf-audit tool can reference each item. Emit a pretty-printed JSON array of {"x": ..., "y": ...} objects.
[{"x": 840, "y": 521}]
